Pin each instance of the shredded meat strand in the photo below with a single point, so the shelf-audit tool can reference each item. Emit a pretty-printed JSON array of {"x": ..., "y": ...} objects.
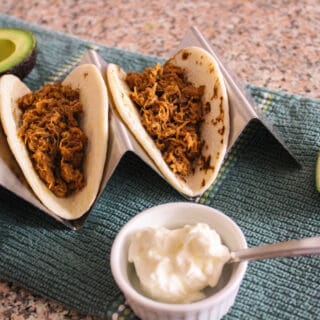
[
  {"x": 171, "y": 110},
  {"x": 56, "y": 144}
]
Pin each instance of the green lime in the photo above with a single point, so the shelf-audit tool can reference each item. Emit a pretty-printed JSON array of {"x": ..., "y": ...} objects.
[{"x": 318, "y": 172}]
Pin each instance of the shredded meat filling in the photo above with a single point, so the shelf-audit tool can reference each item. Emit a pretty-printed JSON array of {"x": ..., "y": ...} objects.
[
  {"x": 171, "y": 111},
  {"x": 51, "y": 132}
]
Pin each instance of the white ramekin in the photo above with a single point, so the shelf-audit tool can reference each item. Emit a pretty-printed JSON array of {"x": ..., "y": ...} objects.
[{"x": 173, "y": 215}]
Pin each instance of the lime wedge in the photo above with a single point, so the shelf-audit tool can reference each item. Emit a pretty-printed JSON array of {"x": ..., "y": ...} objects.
[{"x": 318, "y": 172}]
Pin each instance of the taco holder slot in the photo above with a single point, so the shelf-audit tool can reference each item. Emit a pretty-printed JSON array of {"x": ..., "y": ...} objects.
[
  {"x": 241, "y": 107},
  {"x": 120, "y": 138}
]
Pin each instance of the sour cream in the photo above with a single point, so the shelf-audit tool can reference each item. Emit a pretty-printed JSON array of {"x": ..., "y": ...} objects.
[{"x": 175, "y": 265}]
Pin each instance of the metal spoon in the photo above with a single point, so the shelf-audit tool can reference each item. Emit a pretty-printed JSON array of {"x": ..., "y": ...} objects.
[{"x": 291, "y": 248}]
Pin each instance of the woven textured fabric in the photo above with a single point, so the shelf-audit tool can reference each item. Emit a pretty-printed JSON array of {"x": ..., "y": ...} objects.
[{"x": 259, "y": 186}]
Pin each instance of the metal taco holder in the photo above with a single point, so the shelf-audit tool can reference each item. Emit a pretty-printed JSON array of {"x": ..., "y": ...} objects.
[{"x": 241, "y": 107}]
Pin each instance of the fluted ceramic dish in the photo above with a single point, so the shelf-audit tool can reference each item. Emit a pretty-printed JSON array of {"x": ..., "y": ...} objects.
[{"x": 218, "y": 300}]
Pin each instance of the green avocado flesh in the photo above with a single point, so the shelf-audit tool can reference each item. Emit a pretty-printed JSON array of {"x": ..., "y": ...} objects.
[{"x": 18, "y": 50}]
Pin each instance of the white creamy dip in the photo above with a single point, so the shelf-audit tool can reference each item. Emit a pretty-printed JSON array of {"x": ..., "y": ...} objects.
[{"x": 175, "y": 265}]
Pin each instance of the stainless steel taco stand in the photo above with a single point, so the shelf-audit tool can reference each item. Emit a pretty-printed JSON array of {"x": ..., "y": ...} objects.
[{"x": 242, "y": 112}]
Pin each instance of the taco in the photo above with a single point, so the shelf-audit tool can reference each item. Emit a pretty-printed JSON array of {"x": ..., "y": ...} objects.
[
  {"x": 179, "y": 114},
  {"x": 58, "y": 136}
]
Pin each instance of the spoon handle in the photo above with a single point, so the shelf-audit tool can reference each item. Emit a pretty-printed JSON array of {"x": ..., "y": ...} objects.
[{"x": 291, "y": 248}]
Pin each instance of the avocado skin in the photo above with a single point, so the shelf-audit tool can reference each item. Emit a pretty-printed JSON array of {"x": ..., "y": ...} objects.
[{"x": 23, "y": 68}]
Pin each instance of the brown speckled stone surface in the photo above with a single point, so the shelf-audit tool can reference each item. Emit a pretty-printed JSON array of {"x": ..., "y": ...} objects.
[{"x": 268, "y": 43}]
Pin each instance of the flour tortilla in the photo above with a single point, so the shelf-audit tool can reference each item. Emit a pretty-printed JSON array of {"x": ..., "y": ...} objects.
[
  {"x": 201, "y": 69},
  {"x": 94, "y": 122}
]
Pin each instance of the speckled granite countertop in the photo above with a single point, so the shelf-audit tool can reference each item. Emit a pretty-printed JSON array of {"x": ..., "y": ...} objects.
[{"x": 268, "y": 43}]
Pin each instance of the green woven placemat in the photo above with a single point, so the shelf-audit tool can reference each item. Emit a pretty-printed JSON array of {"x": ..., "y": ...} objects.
[{"x": 259, "y": 187}]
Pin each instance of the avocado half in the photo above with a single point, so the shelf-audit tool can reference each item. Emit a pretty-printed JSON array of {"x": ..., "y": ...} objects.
[{"x": 18, "y": 51}]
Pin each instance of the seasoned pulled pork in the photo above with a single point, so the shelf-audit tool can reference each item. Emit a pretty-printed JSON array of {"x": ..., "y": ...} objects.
[
  {"x": 171, "y": 111},
  {"x": 51, "y": 132}
]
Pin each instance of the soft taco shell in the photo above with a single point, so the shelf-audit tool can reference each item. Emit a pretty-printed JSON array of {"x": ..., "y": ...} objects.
[
  {"x": 94, "y": 122},
  {"x": 201, "y": 69}
]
